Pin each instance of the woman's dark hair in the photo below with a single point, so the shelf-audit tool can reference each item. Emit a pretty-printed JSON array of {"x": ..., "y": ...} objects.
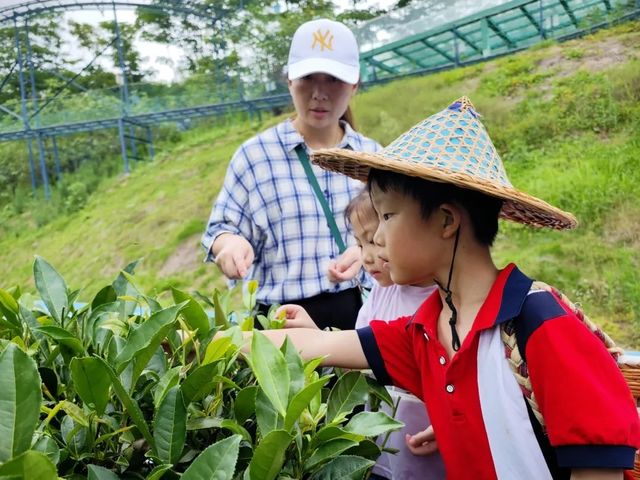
[
  {"x": 361, "y": 206},
  {"x": 483, "y": 209}
]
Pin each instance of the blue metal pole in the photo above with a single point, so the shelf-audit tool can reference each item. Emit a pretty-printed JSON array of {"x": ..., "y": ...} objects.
[
  {"x": 456, "y": 51},
  {"x": 34, "y": 101},
  {"x": 56, "y": 158},
  {"x": 541, "y": 19},
  {"x": 123, "y": 68},
  {"x": 150, "y": 143},
  {"x": 23, "y": 104},
  {"x": 124, "y": 91},
  {"x": 132, "y": 140},
  {"x": 123, "y": 145}
]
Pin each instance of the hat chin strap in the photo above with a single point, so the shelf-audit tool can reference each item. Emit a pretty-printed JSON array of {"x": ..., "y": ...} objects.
[{"x": 455, "y": 339}]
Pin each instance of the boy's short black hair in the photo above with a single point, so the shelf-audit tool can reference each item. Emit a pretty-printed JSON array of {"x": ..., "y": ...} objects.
[{"x": 483, "y": 209}]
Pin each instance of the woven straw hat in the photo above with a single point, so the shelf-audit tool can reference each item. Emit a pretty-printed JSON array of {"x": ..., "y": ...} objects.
[{"x": 451, "y": 146}]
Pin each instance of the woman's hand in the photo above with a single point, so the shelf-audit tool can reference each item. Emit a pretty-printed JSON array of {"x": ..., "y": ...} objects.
[
  {"x": 346, "y": 267},
  {"x": 234, "y": 255},
  {"x": 422, "y": 443},
  {"x": 296, "y": 317}
]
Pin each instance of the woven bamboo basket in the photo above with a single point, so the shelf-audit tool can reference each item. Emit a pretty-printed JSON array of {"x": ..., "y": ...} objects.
[{"x": 631, "y": 372}]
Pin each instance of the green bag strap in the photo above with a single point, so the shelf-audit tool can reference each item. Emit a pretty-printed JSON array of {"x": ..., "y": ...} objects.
[{"x": 331, "y": 221}]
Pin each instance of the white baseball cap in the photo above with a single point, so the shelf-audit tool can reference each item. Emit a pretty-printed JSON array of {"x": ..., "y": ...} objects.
[{"x": 324, "y": 46}]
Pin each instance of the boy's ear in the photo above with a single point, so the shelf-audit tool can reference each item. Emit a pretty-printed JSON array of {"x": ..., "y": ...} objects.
[{"x": 450, "y": 219}]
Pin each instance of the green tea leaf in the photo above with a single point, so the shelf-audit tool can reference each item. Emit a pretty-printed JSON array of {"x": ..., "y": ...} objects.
[
  {"x": 216, "y": 349},
  {"x": 268, "y": 457},
  {"x": 91, "y": 381},
  {"x": 199, "y": 383},
  {"x": 371, "y": 424},
  {"x": 158, "y": 472},
  {"x": 301, "y": 400},
  {"x": 29, "y": 319},
  {"x": 294, "y": 364},
  {"x": 233, "y": 427},
  {"x": 349, "y": 391},
  {"x": 217, "y": 462},
  {"x": 249, "y": 294},
  {"x": 193, "y": 313},
  {"x": 331, "y": 432},
  {"x": 130, "y": 405},
  {"x": 30, "y": 464},
  {"x": 105, "y": 295},
  {"x": 366, "y": 448},
  {"x": 124, "y": 288},
  {"x": 167, "y": 381},
  {"x": 148, "y": 332},
  {"x": 75, "y": 412},
  {"x": 100, "y": 473},
  {"x": 47, "y": 445},
  {"x": 170, "y": 427},
  {"x": 327, "y": 451},
  {"x": 270, "y": 368},
  {"x": 9, "y": 308},
  {"x": 73, "y": 434},
  {"x": 203, "y": 423},
  {"x": 345, "y": 468},
  {"x": 220, "y": 318},
  {"x": 267, "y": 416},
  {"x": 63, "y": 337},
  {"x": 52, "y": 288},
  {"x": 379, "y": 391},
  {"x": 245, "y": 404},
  {"x": 20, "y": 398}
]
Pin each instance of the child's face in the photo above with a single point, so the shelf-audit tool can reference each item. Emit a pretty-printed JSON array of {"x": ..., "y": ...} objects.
[
  {"x": 411, "y": 247},
  {"x": 364, "y": 228}
]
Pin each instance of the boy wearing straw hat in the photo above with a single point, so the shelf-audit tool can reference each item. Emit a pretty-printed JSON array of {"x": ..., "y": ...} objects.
[{"x": 439, "y": 190}]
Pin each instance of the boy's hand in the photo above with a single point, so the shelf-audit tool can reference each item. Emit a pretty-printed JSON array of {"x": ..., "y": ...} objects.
[
  {"x": 422, "y": 443},
  {"x": 234, "y": 255},
  {"x": 346, "y": 267},
  {"x": 296, "y": 317}
]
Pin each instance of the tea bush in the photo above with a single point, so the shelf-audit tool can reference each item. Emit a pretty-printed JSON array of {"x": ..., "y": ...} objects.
[{"x": 125, "y": 387}]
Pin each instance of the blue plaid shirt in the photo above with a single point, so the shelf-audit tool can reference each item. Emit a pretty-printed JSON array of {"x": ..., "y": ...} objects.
[{"x": 266, "y": 197}]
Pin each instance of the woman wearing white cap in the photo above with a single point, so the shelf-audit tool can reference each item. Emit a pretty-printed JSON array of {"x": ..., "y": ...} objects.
[{"x": 278, "y": 219}]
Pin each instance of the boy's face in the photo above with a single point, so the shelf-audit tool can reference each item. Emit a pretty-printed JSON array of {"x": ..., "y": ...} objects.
[
  {"x": 410, "y": 246},
  {"x": 364, "y": 226}
]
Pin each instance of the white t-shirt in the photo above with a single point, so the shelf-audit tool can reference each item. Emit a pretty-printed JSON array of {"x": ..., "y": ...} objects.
[{"x": 390, "y": 303}]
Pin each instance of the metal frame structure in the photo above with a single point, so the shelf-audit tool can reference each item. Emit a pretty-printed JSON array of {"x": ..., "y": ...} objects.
[
  {"x": 497, "y": 31},
  {"x": 500, "y": 30},
  {"x": 30, "y": 118}
]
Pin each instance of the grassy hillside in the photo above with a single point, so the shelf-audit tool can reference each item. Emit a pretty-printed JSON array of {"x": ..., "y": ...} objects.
[{"x": 565, "y": 117}]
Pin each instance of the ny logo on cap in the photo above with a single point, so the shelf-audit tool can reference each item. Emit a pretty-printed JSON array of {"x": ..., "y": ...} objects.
[{"x": 324, "y": 41}]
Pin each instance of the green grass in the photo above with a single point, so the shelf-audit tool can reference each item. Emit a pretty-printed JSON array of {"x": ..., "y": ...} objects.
[{"x": 565, "y": 118}]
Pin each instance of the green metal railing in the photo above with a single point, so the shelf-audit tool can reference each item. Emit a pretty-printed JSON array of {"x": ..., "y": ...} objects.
[{"x": 506, "y": 28}]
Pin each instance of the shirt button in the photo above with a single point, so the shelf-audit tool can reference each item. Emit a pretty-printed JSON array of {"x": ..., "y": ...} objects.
[
  {"x": 450, "y": 388},
  {"x": 442, "y": 360}
]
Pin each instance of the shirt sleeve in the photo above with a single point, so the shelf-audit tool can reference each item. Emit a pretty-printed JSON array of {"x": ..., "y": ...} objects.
[
  {"x": 230, "y": 212},
  {"x": 388, "y": 348},
  {"x": 590, "y": 415}
]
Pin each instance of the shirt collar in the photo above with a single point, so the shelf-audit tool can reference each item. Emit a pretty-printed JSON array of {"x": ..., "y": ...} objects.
[
  {"x": 504, "y": 302},
  {"x": 291, "y": 138}
]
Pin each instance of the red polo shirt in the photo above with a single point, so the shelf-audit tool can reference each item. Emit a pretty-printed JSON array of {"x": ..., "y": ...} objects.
[{"x": 482, "y": 423}]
